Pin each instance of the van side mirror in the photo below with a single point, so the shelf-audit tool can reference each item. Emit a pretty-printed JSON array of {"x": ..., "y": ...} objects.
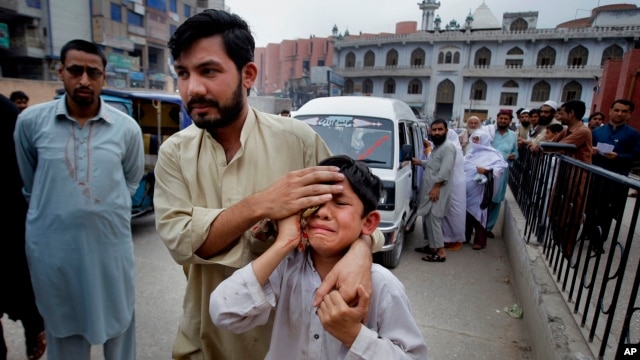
[{"x": 406, "y": 152}]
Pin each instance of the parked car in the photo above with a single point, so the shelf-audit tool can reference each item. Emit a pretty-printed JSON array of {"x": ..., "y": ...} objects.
[{"x": 385, "y": 134}]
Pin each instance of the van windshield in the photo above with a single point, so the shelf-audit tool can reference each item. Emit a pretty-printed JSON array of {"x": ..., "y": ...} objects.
[{"x": 362, "y": 138}]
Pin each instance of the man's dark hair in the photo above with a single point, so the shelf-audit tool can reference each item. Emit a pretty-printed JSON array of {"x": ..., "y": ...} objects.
[
  {"x": 440, "y": 121},
  {"x": 534, "y": 111},
  {"x": 519, "y": 111},
  {"x": 236, "y": 35},
  {"x": 84, "y": 46},
  {"x": 18, "y": 95},
  {"x": 598, "y": 113},
  {"x": 576, "y": 106},
  {"x": 365, "y": 184},
  {"x": 625, "y": 102}
]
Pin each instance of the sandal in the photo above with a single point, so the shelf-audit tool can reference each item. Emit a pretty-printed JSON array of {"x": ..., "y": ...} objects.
[
  {"x": 37, "y": 349},
  {"x": 477, "y": 247},
  {"x": 425, "y": 250},
  {"x": 434, "y": 258}
]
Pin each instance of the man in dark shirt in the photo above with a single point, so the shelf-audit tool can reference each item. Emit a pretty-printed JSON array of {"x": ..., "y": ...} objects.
[{"x": 626, "y": 149}]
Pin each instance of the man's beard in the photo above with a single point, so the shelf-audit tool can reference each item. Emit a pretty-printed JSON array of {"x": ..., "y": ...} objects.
[
  {"x": 228, "y": 112},
  {"x": 471, "y": 131},
  {"x": 545, "y": 120},
  {"x": 82, "y": 101},
  {"x": 525, "y": 123},
  {"x": 503, "y": 127},
  {"x": 438, "y": 139}
]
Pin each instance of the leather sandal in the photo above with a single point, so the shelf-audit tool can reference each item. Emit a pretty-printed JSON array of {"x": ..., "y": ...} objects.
[{"x": 434, "y": 258}]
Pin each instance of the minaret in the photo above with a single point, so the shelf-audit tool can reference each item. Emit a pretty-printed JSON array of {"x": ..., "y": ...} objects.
[{"x": 428, "y": 8}]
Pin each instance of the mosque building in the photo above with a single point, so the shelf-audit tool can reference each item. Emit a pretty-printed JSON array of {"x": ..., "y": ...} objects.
[{"x": 455, "y": 70}]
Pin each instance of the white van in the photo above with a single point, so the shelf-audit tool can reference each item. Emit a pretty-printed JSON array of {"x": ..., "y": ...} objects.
[{"x": 385, "y": 134}]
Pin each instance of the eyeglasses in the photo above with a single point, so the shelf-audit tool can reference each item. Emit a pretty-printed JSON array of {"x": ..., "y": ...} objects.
[{"x": 77, "y": 71}]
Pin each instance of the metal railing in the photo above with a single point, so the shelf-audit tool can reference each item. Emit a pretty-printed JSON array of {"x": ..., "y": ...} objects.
[{"x": 579, "y": 214}]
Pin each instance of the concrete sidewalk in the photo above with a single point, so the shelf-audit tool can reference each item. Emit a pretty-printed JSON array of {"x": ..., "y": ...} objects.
[{"x": 459, "y": 304}]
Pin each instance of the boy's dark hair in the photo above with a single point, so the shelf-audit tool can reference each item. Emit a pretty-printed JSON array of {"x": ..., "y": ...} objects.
[
  {"x": 236, "y": 35},
  {"x": 84, "y": 46},
  {"x": 625, "y": 102},
  {"x": 18, "y": 95},
  {"x": 554, "y": 128},
  {"x": 440, "y": 121},
  {"x": 534, "y": 111},
  {"x": 576, "y": 106},
  {"x": 365, "y": 184}
]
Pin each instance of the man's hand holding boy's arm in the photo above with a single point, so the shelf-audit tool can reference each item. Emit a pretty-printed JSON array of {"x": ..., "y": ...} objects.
[
  {"x": 288, "y": 238},
  {"x": 341, "y": 320}
]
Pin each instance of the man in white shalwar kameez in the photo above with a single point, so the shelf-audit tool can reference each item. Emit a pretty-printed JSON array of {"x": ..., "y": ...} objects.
[{"x": 435, "y": 194}]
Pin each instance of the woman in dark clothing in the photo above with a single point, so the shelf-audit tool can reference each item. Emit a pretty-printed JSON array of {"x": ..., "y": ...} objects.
[{"x": 17, "y": 301}]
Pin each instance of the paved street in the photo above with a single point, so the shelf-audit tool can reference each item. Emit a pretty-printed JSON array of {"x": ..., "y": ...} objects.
[{"x": 457, "y": 304}]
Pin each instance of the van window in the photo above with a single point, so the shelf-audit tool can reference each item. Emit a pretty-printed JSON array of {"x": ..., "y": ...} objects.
[{"x": 362, "y": 138}]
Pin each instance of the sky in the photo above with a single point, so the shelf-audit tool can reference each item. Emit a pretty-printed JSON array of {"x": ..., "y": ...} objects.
[{"x": 275, "y": 20}]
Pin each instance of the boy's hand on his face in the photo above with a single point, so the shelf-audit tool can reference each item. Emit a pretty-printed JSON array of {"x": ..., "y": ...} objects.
[
  {"x": 289, "y": 231},
  {"x": 341, "y": 320}
]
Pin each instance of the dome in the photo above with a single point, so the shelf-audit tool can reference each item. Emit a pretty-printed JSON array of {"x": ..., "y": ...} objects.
[{"x": 483, "y": 18}]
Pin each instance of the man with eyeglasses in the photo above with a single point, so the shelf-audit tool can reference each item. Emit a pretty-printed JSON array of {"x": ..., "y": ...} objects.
[{"x": 81, "y": 160}]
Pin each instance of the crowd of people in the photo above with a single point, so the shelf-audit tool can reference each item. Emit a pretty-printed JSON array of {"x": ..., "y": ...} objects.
[
  {"x": 294, "y": 238},
  {"x": 489, "y": 150}
]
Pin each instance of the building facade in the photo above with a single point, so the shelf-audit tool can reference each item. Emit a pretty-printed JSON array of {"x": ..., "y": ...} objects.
[
  {"x": 456, "y": 70},
  {"x": 481, "y": 66},
  {"x": 133, "y": 34}
]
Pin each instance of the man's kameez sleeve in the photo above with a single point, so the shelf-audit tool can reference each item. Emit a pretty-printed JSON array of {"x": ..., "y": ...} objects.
[
  {"x": 133, "y": 161},
  {"x": 26, "y": 155},
  {"x": 182, "y": 226}
]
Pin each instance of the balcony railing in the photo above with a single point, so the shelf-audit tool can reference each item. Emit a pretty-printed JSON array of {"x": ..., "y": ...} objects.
[
  {"x": 373, "y": 71},
  {"x": 533, "y": 71},
  {"x": 579, "y": 214}
]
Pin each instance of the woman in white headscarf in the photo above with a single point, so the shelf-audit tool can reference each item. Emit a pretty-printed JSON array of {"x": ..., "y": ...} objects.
[
  {"x": 452, "y": 232},
  {"x": 481, "y": 163}
]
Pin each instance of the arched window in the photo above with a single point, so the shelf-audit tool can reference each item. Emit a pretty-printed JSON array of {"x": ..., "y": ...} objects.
[
  {"x": 417, "y": 57},
  {"x": 350, "y": 60},
  {"x": 519, "y": 24},
  {"x": 369, "y": 59},
  {"x": 392, "y": 58},
  {"x": 448, "y": 58},
  {"x": 478, "y": 90},
  {"x": 390, "y": 87},
  {"x": 541, "y": 92},
  {"x": 441, "y": 58},
  {"x": 348, "y": 86},
  {"x": 456, "y": 57},
  {"x": 446, "y": 91},
  {"x": 415, "y": 87},
  {"x": 483, "y": 57},
  {"x": 515, "y": 51},
  {"x": 578, "y": 56},
  {"x": 612, "y": 52},
  {"x": 572, "y": 91},
  {"x": 546, "y": 57},
  {"x": 510, "y": 84},
  {"x": 367, "y": 87}
]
